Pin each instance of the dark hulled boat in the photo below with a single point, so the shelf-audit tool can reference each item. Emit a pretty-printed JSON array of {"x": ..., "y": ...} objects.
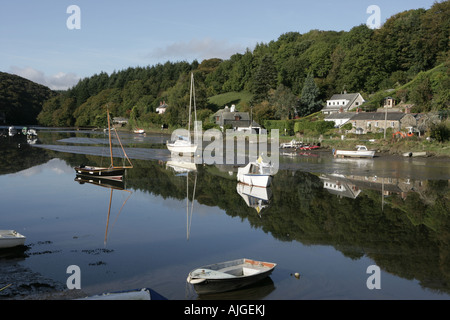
[{"x": 112, "y": 172}]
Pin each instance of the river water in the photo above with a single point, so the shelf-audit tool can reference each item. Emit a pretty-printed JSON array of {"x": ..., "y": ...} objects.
[{"x": 352, "y": 229}]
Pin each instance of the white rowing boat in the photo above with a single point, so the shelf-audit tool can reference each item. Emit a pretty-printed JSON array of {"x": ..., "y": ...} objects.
[{"x": 229, "y": 275}]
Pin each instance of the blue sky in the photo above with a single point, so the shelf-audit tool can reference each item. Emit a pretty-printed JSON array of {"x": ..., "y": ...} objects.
[{"x": 36, "y": 43}]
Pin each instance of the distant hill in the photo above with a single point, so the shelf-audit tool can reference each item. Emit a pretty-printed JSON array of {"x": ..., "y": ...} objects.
[{"x": 21, "y": 100}]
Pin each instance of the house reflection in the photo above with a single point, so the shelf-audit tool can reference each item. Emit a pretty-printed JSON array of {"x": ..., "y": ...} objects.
[{"x": 350, "y": 186}]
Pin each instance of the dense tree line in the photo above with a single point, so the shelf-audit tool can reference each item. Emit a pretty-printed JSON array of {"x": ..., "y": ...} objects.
[
  {"x": 291, "y": 76},
  {"x": 21, "y": 100}
]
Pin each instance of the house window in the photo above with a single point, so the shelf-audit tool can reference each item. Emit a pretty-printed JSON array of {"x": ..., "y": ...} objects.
[
  {"x": 392, "y": 124},
  {"x": 368, "y": 124},
  {"x": 376, "y": 124}
]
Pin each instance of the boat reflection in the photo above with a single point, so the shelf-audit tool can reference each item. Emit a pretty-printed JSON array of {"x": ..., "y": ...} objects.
[
  {"x": 112, "y": 185},
  {"x": 257, "y": 291},
  {"x": 183, "y": 168},
  {"x": 255, "y": 197}
]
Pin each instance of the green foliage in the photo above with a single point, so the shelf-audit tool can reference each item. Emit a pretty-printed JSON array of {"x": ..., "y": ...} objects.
[
  {"x": 313, "y": 127},
  {"x": 309, "y": 102},
  {"x": 265, "y": 78},
  {"x": 441, "y": 131},
  {"x": 277, "y": 73},
  {"x": 284, "y": 102},
  {"x": 21, "y": 100},
  {"x": 284, "y": 126}
]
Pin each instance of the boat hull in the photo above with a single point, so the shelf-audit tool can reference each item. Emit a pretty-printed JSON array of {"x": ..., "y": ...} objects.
[
  {"x": 226, "y": 276},
  {"x": 256, "y": 180},
  {"x": 255, "y": 174},
  {"x": 182, "y": 148},
  {"x": 101, "y": 172},
  {"x": 355, "y": 154},
  {"x": 11, "y": 239}
]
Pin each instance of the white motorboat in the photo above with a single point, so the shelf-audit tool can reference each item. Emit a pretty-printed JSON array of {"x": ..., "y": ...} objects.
[
  {"x": 229, "y": 275},
  {"x": 256, "y": 173},
  {"x": 360, "y": 152},
  {"x": 11, "y": 239}
]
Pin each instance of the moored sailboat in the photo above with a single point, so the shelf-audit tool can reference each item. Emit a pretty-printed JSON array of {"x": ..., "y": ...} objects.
[
  {"x": 184, "y": 144},
  {"x": 111, "y": 172}
]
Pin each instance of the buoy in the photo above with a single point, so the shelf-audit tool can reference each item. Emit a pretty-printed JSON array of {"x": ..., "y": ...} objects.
[{"x": 297, "y": 275}]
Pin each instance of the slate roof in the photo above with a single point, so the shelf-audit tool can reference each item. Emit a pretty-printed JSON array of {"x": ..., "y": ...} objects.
[
  {"x": 351, "y": 97},
  {"x": 377, "y": 116}
]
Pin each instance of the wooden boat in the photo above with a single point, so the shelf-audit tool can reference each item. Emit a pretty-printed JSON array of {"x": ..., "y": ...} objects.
[
  {"x": 360, "y": 152},
  {"x": 256, "y": 173},
  {"x": 11, "y": 239},
  {"x": 111, "y": 172},
  {"x": 137, "y": 294},
  {"x": 184, "y": 144},
  {"x": 229, "y": 275}
]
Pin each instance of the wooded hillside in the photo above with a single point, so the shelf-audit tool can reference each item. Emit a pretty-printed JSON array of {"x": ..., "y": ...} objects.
[
  {"x": 294, "y": 74},
  {"x": 21, "y": 100}
]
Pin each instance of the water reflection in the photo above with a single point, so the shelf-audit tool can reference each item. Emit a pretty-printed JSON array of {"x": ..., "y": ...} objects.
[
  {"x": 255, "y": 197},
  {"x": 398, "y": 222},
  {"x": 118, "y": 185}
]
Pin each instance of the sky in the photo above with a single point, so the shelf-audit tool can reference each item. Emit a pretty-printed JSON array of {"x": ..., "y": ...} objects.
[{"x": 49, "y": 42}]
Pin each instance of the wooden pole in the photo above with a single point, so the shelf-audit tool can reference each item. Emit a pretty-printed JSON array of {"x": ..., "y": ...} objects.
[{"x": 109, "y": 135}]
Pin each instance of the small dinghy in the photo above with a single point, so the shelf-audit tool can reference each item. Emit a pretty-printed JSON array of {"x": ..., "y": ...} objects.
[
  {"x": 10, "y": 239},
  {"x": 229, "y": 275}
]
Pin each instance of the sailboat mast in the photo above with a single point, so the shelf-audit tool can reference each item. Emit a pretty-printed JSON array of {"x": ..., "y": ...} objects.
[
  {"x": 190, "y": 106},
  {"x": 110, "y": 144}
]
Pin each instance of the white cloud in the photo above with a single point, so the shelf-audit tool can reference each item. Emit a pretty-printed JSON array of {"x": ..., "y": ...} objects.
[
  {"x": 59, "y": 81},
  {"x": 199, "y": 49}
]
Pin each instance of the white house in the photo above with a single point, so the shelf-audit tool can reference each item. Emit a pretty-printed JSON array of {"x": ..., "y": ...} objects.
[
  {"x": 340, "y": 118},
  {"x": 343, "y": 102},
  {"x": 162, "y": 107}
]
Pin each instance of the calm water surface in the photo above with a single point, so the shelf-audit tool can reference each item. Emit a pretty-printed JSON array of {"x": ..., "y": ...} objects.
[{"x": 325, "y": 218}]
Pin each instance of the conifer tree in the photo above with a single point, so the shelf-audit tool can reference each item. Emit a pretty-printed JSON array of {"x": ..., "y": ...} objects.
[{"x": 309, "y": 102}]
